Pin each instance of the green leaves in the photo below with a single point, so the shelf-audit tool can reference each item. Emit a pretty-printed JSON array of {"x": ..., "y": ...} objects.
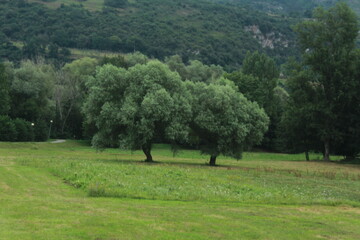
[
  {"x": 138, "y": 105},
  {"x": 4, "y": 91},
  {"x": 224, "y": 120},
  {"x": 146, "y": 103},
  {"x": 31, "y": 91},
  {"x": 325, "y": 92}
]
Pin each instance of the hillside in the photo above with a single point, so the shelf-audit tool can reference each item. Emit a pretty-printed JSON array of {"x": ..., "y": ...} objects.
[
  {"x": 213, "y": 31},
  {"x": 294, "y": 7},
  {"x": 289, "y": 7},
  {"x": 210, "y": 32}
]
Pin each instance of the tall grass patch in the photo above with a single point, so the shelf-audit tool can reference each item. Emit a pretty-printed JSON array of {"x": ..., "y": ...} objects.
[{"x": 122, "y": 174}]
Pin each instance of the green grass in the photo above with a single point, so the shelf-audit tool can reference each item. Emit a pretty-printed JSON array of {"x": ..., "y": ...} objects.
[
  {"x": 45, "y": 193},
  {"x": 80, "y": 53},
  {"x": 92, "y": 5}
]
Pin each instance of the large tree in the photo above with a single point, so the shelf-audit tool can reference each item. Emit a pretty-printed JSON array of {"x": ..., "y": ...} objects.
[
  {"x": 297, "y": 129},
  {"x": 4, "y": 91},
  {"x": 328, "y": 49},
  {"x": 69, "y": 94},
  {"x": 257, "y": 80},
  {"x": 349, "y": 119},
  {"x": 31, "y": 91},
  {"x": 263, "y": 68},
  {"x": 31, "y": 94},
  {"x": 132, "y": 108},
  {"x": 224, "y": 121}
]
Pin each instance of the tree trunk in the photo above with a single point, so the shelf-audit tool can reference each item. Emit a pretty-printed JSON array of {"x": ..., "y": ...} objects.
[
  {"x": 327, "y": 150},
  {"x": 307, "y": 155},
  {"x": 66, "y": 118},
  {"x": 147, "y": 151},
  {"x": 212, "y": 160}
]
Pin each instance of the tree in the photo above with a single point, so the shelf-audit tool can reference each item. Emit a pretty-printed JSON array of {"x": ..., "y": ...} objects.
[
  {"x": 328, "y": 49},
  {"x": 70, "y": 91},
  {"x": 349, "y": 119},
  {"x": 224, "y": 121},
  {"x": 117, "y": 61},
  {"x": 248, "y": 85},
  {"x": 257, "y": 80},
  {"x": 7, "y": 129},
  {"x": 132, "y": 59},
  {"x": 196, "y": 71},
  {"x": 264, "y": 68},
  {"x": 297, "y": 129},
  {"x": 4, "y": 91},
  {"x": 131, "y": 108},
  {"x": 24, "y": 130},
  {"x": 31, "y": 92},
  {"x": 176, "y": 64}
]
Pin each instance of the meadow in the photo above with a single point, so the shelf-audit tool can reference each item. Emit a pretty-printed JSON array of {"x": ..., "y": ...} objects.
[
  {"x": 92, "y": 5},
  {"x": 71, "y": 191}
]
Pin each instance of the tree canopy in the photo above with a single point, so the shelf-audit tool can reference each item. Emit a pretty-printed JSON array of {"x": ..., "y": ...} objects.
[
  {"x": 133, "y": 108},
  {"x": 4, "y": 91},
  {"x": 224, "y": 121},
  {"x": 328, "y": 48}
]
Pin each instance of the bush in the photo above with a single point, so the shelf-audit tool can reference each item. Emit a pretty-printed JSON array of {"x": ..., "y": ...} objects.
[
  {"x": 25, "y": 131},
  {"x": 7, "y": 129}
]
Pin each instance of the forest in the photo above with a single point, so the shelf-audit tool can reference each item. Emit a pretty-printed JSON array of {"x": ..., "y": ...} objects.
[
  {"x": 195, "y": 30},
  {"x": 309, "y": 104}
]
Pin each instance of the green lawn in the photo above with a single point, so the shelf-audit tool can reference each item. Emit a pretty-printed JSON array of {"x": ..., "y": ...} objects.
[{"x": 46, "y": 189}]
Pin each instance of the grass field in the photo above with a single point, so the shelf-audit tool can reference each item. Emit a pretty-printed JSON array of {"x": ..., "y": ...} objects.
[
  {"x": 80, "y": 53},
  {"x": 70, "y": 191},
  {"x": 92, "y": 5}
]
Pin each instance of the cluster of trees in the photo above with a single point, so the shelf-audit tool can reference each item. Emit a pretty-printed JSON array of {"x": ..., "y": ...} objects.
[
  {"x": 324, "y": 104},
  {"x": 133, "y": 108},
  {"x": 25, "y": 106},
  {"x": 131, "y": 101}
]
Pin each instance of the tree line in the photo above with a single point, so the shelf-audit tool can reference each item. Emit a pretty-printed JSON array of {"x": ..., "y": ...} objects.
[{"x": 132, "y": 101}]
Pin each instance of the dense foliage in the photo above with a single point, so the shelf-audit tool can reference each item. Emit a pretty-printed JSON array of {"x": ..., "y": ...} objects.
[
  {"x": 293, "y": 8},
  {"x": 133, "y": 108},
  {"x": 224, "y": 121},
  {"x": 328, "y": 81},
  {"x": 258, "y": 80},
  {"x": 212, "y": 33},
  {"x": 4, "y": 91}
]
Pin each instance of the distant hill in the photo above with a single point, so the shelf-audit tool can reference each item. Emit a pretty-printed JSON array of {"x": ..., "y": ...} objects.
[
  {"x": 291, "y": 7},
  {"x": 213, "y": 31}
]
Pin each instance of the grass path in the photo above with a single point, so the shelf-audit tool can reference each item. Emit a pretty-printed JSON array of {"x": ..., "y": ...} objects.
[{"x": 36, "y": 205}]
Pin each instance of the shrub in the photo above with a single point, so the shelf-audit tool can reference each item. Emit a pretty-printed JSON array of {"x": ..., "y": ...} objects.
[
  {"x": 25, "y": 131},
  {"x": 7, "y": 129}
]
